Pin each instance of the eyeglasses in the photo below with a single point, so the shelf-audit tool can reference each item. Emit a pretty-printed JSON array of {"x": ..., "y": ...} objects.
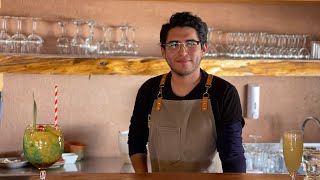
[{"x": 174, "y": 46}]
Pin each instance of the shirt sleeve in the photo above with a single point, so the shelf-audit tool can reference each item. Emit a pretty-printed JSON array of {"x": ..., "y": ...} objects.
[
  {"x": 229, "y": 131},
  {"x": 230, "y": 148},
  {"x": 138, "y": 129},
  {"x": 231, "y": 110}
]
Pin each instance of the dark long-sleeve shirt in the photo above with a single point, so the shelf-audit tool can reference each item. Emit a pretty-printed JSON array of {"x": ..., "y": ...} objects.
[{"x": 226, "y": 108}]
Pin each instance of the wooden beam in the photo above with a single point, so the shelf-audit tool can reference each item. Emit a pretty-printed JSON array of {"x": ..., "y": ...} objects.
[
  {"x": 314, "y": 2},
  {"x": 154, "y": 66}
]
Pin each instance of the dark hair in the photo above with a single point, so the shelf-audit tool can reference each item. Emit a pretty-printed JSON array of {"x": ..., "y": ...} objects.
[{"x": 184, "y": 19}]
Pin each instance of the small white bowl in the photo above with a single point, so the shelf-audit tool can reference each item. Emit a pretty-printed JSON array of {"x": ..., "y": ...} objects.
[{"x": 69, "y": 157}]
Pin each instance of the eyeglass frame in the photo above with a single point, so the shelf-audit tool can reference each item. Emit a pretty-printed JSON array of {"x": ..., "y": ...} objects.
[{"x": 169, "y": 45}]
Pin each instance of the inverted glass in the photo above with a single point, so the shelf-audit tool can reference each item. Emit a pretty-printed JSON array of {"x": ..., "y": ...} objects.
[{"x": 311, "y": 163}]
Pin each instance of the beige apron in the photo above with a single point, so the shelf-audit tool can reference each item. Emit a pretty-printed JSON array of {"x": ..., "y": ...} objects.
[{"x": 182, "y": 134}]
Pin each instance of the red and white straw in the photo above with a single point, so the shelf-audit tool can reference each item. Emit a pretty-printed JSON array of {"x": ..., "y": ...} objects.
[{"x": 55, "y": 106}]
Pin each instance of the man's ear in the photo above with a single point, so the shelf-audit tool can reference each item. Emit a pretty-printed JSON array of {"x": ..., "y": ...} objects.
[
  {"x": 163, "y": 52},
  {"x": 204, "y": 48}
]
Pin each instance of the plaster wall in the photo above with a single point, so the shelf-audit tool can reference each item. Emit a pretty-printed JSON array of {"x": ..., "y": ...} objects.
[
  {"x": 92, "y": 109},
  {"x": 148, "y": 16}
]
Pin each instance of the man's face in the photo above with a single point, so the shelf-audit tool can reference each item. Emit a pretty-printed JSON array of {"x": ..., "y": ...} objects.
[{"x": 183, "y": 59}]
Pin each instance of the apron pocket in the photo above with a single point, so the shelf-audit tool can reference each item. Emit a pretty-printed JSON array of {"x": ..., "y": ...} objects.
[{"x": 168, "y": 145}]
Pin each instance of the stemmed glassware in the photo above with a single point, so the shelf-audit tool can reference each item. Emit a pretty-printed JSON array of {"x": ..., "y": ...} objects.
[
  {"x": 43, "y": 145},
  {"x": 267, "y": 53},
  {"x": 231, "y": 44},
  {"x": 5, "y": 38},
  {"x": 292, "y": 150},
  {"x": 304, "y": 52},
  {"x": 106, "y": 46},
  {"x": 34, "y": 41},
  {"x": 219, "y": 45},
  {"x": 132, "y": 45},
  {"x": 211, "y": 52},
  {"x": 282, "y": 44},
  {"x": 63, "y": 43},
  {"x": 264, "y": 45},
  {"x": 293, "y": 46},
  {"x": 91, "y": 45},
  {"x": 122, "y": 47},
  {"x": 77, "y": 41},
  {"x": 239, "y": 51},
  {"x": 19, "y": 39},
  {"x": 117, "y": 40},
  {"x": 261, "y": 45},
  {"x": 252, "y": 45}
]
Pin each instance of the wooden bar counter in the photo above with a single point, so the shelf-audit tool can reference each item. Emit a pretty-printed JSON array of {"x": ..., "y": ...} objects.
[{"x": 158, "y": 176}]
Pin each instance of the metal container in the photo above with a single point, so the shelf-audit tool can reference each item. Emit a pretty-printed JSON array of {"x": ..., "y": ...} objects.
[{"x": 315, "y": 50}]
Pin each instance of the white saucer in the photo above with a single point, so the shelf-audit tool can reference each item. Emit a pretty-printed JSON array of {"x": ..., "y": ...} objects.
[
  {"x": 13, "y": 162},
  {"x": 57, "y": 164}
]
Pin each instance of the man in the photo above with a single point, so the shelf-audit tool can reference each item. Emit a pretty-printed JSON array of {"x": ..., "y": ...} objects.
[{"x": 186, "y": 116}]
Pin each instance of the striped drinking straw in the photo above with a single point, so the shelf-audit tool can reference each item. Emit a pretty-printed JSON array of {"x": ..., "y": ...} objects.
[{"x": 55, "y": 106}]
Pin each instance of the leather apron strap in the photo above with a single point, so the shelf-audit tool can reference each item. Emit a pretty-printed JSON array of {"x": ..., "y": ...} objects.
[
  {"x": 159, "y": 97},
  {"x": 206, "y": 95}
]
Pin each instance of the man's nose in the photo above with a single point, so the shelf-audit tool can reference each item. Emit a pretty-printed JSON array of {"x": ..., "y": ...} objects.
[{"x": 183, "y": 48}]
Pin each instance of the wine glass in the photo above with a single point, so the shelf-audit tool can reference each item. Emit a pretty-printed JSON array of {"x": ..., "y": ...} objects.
[
  {"x": 63, "y": 43},
  {"x": 292, "y": 150},
  {"x": 283, "y": 46},
  {"x": 122, "y": 47},
  {"x": 132, "y": 45},
  {"x": 19, "y": 39},
  {"x": 219, "y": 44},
  {"x": 34, "y": 41},
  {"x": 293, "y": 46},
  {"x": 91, "y": 45},
  {"x": 211, "y": 52},
  {"x": 43, "y": 145},
  {"x": 77, "y": 41},
  {"x": 5, "y": 38},
  {"x": 239, "y": 50},
  {"x": 106, "y": 46},
  {"x": 304, "y": 52},
  {"x": 261, "y": 45}
]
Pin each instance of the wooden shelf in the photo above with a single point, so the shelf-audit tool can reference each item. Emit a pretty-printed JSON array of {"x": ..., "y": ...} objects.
[
  {"x": 154, "y": 66},
  {"x": 247, "y": 1}
]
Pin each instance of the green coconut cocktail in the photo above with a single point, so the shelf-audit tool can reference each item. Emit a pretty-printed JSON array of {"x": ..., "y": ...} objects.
[{"x": 43, "y": 145}]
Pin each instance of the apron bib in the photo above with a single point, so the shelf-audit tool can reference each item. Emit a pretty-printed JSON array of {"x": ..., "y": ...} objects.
[{"x": 182, "y": 135}]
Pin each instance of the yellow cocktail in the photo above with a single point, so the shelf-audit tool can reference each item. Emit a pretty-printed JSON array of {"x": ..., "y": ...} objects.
[
  {"x": 43, "y": 145},
  {"x": 292, "y": 150}
]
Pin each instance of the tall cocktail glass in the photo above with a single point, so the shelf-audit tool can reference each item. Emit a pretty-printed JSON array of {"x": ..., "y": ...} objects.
[
  {"x": 43, "y": 146},
  {"x": 292, "y": 151}
]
